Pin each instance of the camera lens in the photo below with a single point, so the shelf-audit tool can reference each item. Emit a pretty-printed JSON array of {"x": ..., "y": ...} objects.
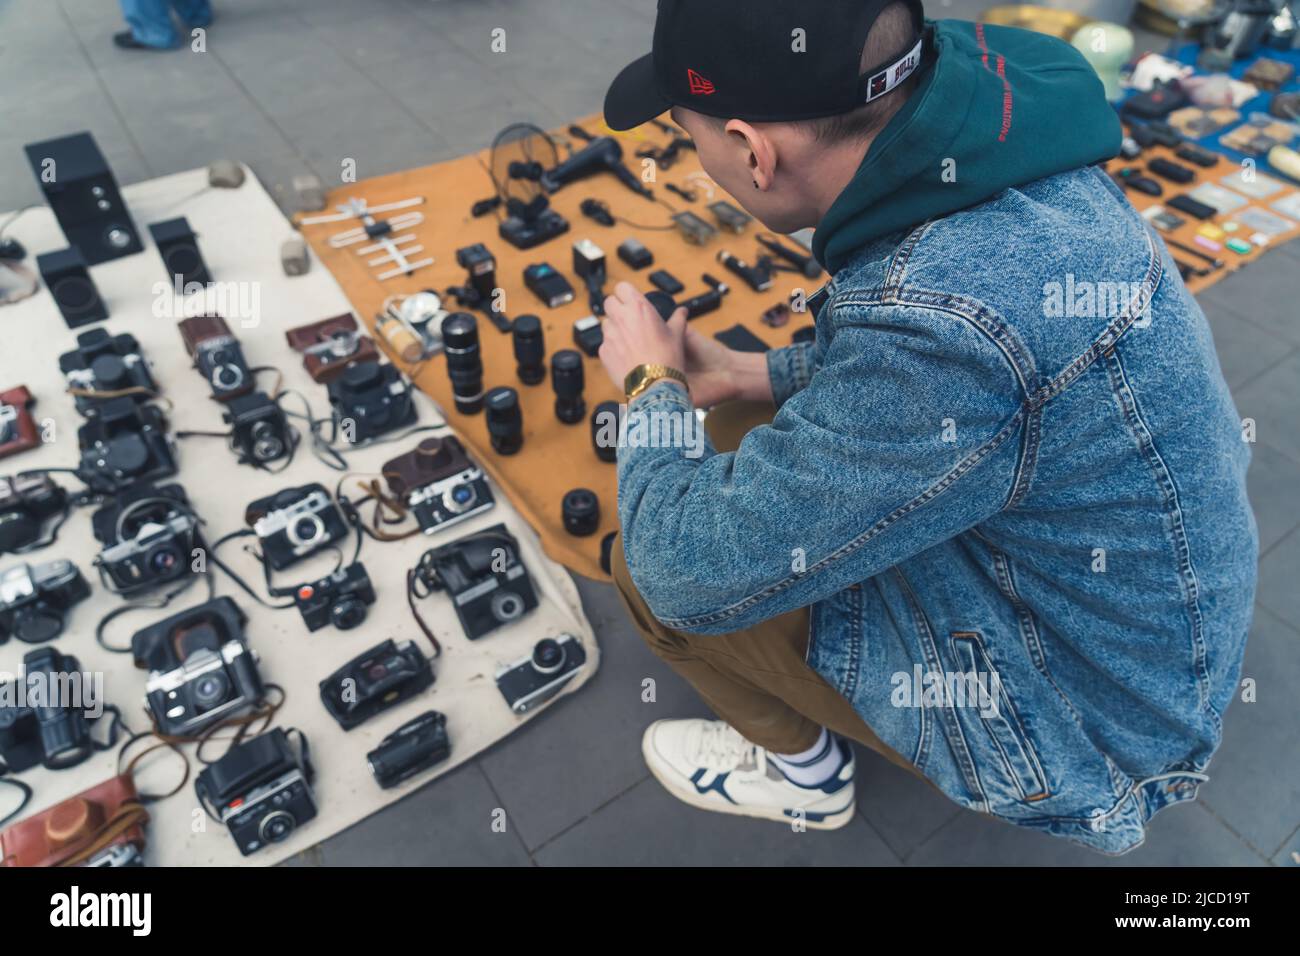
[
  {"x": 276, "y": 826},
  {"x": 464, "y": 361},
  {"x": 210, "y": 690},
  {"x": 567, "y": 380},
  {"x": 267, "y": 445},
  {"x": 548, "y": 656},
  {"x": 227, "y": 377},
  {"x": 604, "y": 431},
  {"x": 459, "y": 498},
  {"x": 306, "y": 529},
  {"x": 163, "y": 560},
  {"x": 581, "y": 512},
  {"x": 530, "y": 349},
  {"x": 505, "y": 420},
  {"x": 506, "y": 606},
  {"x": 348, "y": 613}
]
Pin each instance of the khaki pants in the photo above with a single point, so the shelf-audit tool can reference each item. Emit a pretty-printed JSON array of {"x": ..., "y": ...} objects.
[{"x": 756, "y": 679}]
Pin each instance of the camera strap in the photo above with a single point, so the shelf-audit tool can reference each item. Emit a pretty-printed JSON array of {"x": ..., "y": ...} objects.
[
  {"x": 244, "y": 585},
  {"x": 22, "y": 788},
  {"x": 129, "y": 769},
  {"x": 412, "y": 576},
  {"x": 158, "y": 605}
]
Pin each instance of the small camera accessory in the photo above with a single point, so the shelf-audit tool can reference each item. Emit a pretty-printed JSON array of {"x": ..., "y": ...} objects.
[
  {"x": 480, "y": 291},
  {"x": 1190, "y": 206},
  {"x": 406, "y": 343},
  {"x": 666, "y": 282},
  {"x": 635, "y": 254},
  {"x": 694, "y": 229},
  {"x": 201, "y": 670},
  {"x": 259, "y": 429},
  {"x": 464, "y": 361},
  {"x": 741, "y": 339},
  {"x": 604, "y": 430},
  {"x": 580, "y": 511},
  {"x": 1197, "y": 154},
  {"x": 18, "y": 431},
  {"x": 598, "y": 212},
  {"x": 439, "y": 483},
  {"x": 371, "y": 683},
  {"x": 729, "y": 217},
  {"x": 706, "y": 302},
  {"x": 27, "y": 504},
  {"x": 528, "y": 683},
  {"x": 589, "y": 266},
  {"x": 412, "y": 748},
  {"x": 295, "y": 523},
  {"x": 568, "y": 381},
  {"x": 484, "y": 576},
  {"x": 505, "y": 420},
  {"x": 103, "y": 367},
  {"x": 34, "y": 598},
  {"x": 328, "y": 346},
  {"x": 756, "y": 277},
  {"x": 548, "y": 285},
  {"x": 530, "y": 349},
  {"x": 340, "y": 599},
  {"x": 1171, "y": 171},
  {"x": 663, "y": 303},
  {"x": 369, "y": 400},
  {"x": 149, "y": 535},
  {"x": 51, "y": 731},
  {"x": 260, "y": 789},
  {"x": 800, "y": 260},
  {"x": 217, "y": 356},
  {"x": 1162, "y": 218},
  {"x": 1143, "y": 184},
  {"x": 123, "y": 444},
  {"x": 588, "y": 335}
]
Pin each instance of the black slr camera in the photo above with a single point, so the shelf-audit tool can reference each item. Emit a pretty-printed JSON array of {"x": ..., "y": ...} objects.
[
  {"x": 123, "y": 444},
  {"x": 44, "y": 721},
  {"x": 259, "y": 429},
  {"x": 260, "y": 790},
  {"x": 103, "y": 363},
  {"x": 373, "y": 398},
  {"x": 35, "y": 597},
  {"x": 295, "y": 523},
  {"x": 27, "y": 502},
  {"x": 485, "y": 578},
  {"x": 200, "y": 669},
  {"x": 149, "y": 535},
  {"x": 340, "y": 599},
  {"x": 374, "y": 681}
]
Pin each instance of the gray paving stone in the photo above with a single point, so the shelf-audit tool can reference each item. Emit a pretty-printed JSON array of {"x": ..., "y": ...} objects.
[
  {"x": 1279, "y": 572},
  {"x": 1289, "y": 855},
  {"x": 1245, "y": 349},
  {"x": 1264, "y": 292},
  {"x": 647, "y": 827},
  {"x": 1271, "y": 400},
  {"x": 1273, "y": 484},
  {"x": 904, "y": 809}
]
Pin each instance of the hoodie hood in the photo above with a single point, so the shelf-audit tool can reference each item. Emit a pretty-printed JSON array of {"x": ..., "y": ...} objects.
[{"x": 998, "y": 107}]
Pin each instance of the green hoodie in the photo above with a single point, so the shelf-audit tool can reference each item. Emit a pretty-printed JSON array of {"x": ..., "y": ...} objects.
[{"x": 998, "y": 107}]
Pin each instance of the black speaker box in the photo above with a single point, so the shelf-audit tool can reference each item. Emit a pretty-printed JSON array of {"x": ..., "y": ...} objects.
[
  {"x": 74, "y": 291},
  {"x": 179, "y": 248},
  {"x": 80, "y": 188}
]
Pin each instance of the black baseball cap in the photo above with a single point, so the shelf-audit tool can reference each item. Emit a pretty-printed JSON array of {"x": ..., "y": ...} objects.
[{"x": 747, "y": 59}]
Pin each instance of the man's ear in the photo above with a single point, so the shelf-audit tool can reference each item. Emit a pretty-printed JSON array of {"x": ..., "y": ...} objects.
[{"x": 759, "y": 148}]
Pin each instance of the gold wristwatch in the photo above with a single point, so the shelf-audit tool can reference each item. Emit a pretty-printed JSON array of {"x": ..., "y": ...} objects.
[{"x": 643, "y": 376}]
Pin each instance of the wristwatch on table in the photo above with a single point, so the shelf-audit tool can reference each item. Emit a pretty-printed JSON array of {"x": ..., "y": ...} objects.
[{"x": 643, "y": 376}]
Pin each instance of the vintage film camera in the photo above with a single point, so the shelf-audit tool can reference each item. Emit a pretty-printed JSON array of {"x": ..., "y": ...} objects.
[
  {"x": 217, "y": 356},
  {"x": 35, "y": 597},
  {"x": 27, "y": 504},
  {"x": 149, "y": 535},
  {"x": 45, "y": 721},
  {"x": 295, "y": 523},
  {"x": 260, "y": 789},
  {"x": 259, "y": 429},
  {"x": 104, "y": 365},
  {"x": 439, "y": 483},
  {"x": 340, "y": 599},
  {"x": 532, "y": 681},
  {"x": 200, "y": 669},
  {"x": 123, "y": 444},
  {"x": 330, "y": 345},
  {"x": 413, "y": 747},
  {"x": 485, "y": 578},
  {"x": 374, "y": 681},
  {"x": 18, "y": 431},
  {"x": 373, "y": 398}
]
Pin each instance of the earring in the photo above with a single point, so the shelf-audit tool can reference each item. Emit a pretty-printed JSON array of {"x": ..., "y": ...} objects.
[{"x": 755, "y": 183}]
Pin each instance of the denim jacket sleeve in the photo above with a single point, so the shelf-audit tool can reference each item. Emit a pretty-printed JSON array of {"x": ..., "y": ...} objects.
[
  {"x": 790, "y": 369},
  {"x": 906, "y": 435}
]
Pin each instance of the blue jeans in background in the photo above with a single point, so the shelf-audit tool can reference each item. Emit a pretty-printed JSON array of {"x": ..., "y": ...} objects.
[{"x": 151, "y": 23}]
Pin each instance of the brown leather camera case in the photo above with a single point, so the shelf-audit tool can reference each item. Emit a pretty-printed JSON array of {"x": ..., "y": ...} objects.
[
  {"x": 78, "y": 828},
  {"x": 431, "y": 460},
  {"x": 24, "y": 433},
  {"x": 331, "y": 345},
  {"x": 200, "y": 328}
]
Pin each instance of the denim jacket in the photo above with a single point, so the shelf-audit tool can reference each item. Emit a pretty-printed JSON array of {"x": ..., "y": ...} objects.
[{"x": 1009, "y": 480}]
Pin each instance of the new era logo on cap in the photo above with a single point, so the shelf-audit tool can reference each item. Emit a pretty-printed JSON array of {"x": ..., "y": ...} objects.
[{"x": 699, "y": 85}]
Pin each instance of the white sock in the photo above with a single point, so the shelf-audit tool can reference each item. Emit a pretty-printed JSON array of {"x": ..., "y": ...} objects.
[{"x": 816, "y": 765}]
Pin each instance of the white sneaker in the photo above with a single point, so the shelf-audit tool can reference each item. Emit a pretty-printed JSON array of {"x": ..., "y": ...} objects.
[{"x": 709, "y": 765}]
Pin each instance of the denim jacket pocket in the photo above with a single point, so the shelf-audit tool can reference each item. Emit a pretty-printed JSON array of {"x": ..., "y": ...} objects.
[{"x": 1014, "y": 751}]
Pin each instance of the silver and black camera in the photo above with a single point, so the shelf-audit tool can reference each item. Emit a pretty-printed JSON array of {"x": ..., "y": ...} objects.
[
  {"x": 104, "y": 364},
  {"x": 123, "y": 444},
  {"x": 531, "y": 682},
  {"x": 260, "y": 789},
  {"x": 28, "y": 504},
  {"x": 259, "y": 429},
  {"x": 149, "y": 534},
  {"x": 295, "y": 523},
  {"x": 484, "y": 576},
  {"x": 35, "y": 597},
  {"x": 200, "y": 669},
  {"x": 440, "y": 483}
]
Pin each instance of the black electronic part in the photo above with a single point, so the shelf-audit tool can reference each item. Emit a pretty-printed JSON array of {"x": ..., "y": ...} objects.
[
  {"x": 179, "y": 248},
  {"x": 551, "y": 287},
  {"x": 741, "y": 339},
  {"x": 706, "y": 302},
  {"x": 568, "y": 381},
  {"x": 1197, "y": 154},
  {"x": 580, "y": 512},
  {"x": 755, "y": 276},
  {"x": 1171, "y": 171},
  {"x": 666, "y": 282},
  {"x": 663, "y": 303},
  {"x": 729, "y": 217},
  {"x": 635, "y": 254},
  {"x": 66, "y": 275},
  {"x": 589, "y": 265},
  {"x": 1192, "y": 207},
  {"x": 464, "y": 361},
  {"x": 412, "y": 748},
  {"x": 694, "y": 229},
  {"x": 374, "y": 681},
  {"x": 801, "y": 261},
  {"x": 597, "y": 212},
  {"x": 530, "y": 349},
  {"x": 601, "y": 155},
  {"x": 588, "y": 335},
  {"x": 505, "y": 420}
]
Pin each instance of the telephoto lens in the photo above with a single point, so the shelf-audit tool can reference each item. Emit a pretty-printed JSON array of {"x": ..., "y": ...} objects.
[
  {"x": 464, "y": 361},
  {"x": 567, "y": 380},
  {"x": 604, "y": 431},
  {"x": 505, "y": 420},
  {"x": 530, "y": 349},
  {"x": 581, "y": 512}
]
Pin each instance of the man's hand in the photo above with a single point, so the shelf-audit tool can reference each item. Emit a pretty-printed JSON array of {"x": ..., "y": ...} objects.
[{"x": 636, "y": 335}]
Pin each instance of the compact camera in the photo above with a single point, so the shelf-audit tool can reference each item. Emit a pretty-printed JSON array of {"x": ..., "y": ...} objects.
[
  {"x": 369, "y": 400},
  {"x": 371, "y": 683},
  {"x": 200, "y": 669},
  {"x": 485, "y": 578},
  {"x": 123, "y": 444},
  {"x": 149, "y": 534},
  {"x": 103, "y": 363},
  {"x": 329, "y": 346},
  {"x": 340, "y": 599},
  {"x": 27, "y": 502},
  {"x": 217, "y": 356},
  {"x": 532, "y": 681},
  {"x": 37, "y": 724},
  {"x": 413, "y": 747},
  {"x": 260, "y": 790},
  {"x": 296, "y": 523},
  {"x": 18, "y": 430},
  {"x": 259, "y": 429},
  {"x": 35, "y": 597},
  {"x": 439, "y": 483}
]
